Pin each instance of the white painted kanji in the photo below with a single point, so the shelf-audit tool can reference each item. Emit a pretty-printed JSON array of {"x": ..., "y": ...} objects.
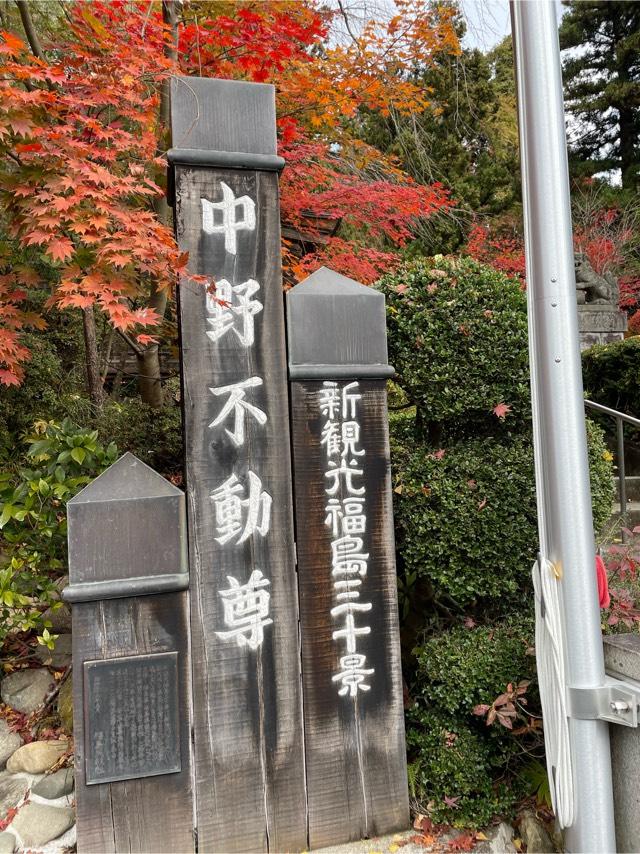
[
  {"x": 231, "y": 308},
  {"x": 330, "y": 438},
  {"x": 237, "y": 516},
  {"x": 351, "y": 438},
  {"x": 228, "y": 216},
  {"x": 349, "y": 633},
  {"x": 246, "y": 610},
  {"x": 237, "y": 406},
  {"x": 353, "y": 674},
  {"x": 350, "y": 398},
  {"x": 330, "y": 400},
  {"x": 342, "y": 476},
  {"x": 346, "y": 517}
]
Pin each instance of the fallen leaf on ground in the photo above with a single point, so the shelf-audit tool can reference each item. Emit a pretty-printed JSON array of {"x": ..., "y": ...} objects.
[{"x": 464, "y": 842}]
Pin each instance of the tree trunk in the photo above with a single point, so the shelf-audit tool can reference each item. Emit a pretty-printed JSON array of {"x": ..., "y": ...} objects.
[
  {"x": 628, "y": 162},
  {"x": 149, "y": 382},
  {"x": 92, "y": 358},
  {"x": 29, "y": 29},
  {"x": 149, "y": 377}
]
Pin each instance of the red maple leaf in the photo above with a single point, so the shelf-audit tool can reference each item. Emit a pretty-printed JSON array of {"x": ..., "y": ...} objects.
[
  {"x": 60, "y": 249},
  {"x": 501, "y": 410},
  {"x": 464, "y": 842}
]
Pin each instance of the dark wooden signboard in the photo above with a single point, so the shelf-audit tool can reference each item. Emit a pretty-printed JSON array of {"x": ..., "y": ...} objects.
[
  {"x": 128, "y": 580},
  {"x": 248, "y": 734},
  {"x": 352, "y": 682},
  {"x": 132, "y": 717}
]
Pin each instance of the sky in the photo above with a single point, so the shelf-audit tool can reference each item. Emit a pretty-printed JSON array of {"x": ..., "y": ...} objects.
[{"x": 488, "y": 21}]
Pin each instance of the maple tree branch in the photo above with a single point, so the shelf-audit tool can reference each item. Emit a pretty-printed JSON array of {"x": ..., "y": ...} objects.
[
  {"x": 29, "y": 29},
  {"x": 137, "y": 349},
  {"x": 344, "y": 14}
]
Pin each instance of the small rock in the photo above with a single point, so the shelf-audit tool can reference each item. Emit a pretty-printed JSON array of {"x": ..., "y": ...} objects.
[
  {"x": 25, "y": 690},
  {"x": 37, "y": 757},
  {"x": 534, "y": 834},
  {"x": 7, "y": 843},
  {"x": 54, "y": 785},
  {"x": 59, "y": 617},
  {"x": 500, "y": 842},
  {"x": 65, "y": 703},
  {"x": 12, "y": 791},
  {"x": 9, "y": 742},
  {"x": 60, "y": 656},
  {"x": 37, "y": 824}
]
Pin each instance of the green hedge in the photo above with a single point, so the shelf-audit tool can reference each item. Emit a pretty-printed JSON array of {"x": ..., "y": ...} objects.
[
  {"x": 466, "y": 514},
  {"x": 449, "y": 759},
  {"x": 451, "y": 751},
  {"x": 466, "y": 530},
  {"x": 458, "y": 340},
  {"x": 611, "y": 374},
  {"x": 463, "y": 667}
]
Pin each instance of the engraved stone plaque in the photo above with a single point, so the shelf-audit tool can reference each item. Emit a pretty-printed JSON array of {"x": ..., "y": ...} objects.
[{"x": 132, "y": 725}]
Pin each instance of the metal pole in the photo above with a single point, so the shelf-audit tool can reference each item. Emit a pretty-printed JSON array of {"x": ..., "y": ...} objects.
[
  {"x": 562, "y": 473},
  {"x": 622, "y": 485}
]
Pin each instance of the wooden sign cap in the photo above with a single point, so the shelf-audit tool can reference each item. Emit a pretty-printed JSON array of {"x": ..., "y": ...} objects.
[
  {"x": 223, "y": 123},
  {"x": 126, "y": 535},
  {"x": 336, "y": 329}
]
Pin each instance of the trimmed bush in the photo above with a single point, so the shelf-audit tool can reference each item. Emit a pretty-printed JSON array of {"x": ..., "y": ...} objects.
[
  {"x": 451, "y": 750},
  {"x": 463, "y": 667},
  {"x": 610, "y": 374},
  {"x": 466, "y": 529},
  {"x": 458, "y": 340},
  {"x": 466, "y": 514},
  {"x": 448, "y": 759}
]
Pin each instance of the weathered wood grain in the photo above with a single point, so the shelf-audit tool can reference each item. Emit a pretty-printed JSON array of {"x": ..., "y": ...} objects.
[
  {"x": 149, "y": 814},
  {"x": 125, "y": 524},
  {"x": 248, "y": 735},
  {"x": 355, "y": 749}
]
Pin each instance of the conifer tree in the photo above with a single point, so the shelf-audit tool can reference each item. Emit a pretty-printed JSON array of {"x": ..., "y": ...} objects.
[{"x": 602, "y": 85}]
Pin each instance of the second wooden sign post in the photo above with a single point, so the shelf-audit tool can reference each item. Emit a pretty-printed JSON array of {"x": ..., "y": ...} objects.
[
  {"x": 352, "y": 677},
  {"x": 248, "y": 734}
]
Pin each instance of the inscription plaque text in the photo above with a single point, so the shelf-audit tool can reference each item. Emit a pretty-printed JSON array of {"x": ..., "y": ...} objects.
[{"x": 132, "y": 728}]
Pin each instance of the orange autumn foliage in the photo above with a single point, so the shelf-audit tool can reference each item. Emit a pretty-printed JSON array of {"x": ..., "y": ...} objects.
[{"x": 79, "y": 138}]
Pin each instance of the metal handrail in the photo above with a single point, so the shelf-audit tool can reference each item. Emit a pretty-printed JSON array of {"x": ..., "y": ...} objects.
[
  {"x": 613, "y": 412},
  {"x": 620, "y": 418}
]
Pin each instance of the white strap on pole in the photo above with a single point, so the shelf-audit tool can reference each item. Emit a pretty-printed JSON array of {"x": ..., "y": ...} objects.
[{"x": 550, "y": 658}]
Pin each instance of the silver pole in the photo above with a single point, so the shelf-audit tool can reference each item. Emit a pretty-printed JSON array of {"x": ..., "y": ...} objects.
[{"x": 562, "y": 471}]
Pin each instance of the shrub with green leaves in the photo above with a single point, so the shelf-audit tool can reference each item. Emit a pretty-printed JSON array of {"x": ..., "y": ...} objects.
[
  {"x": 610, "y": 374},
  {"x": 457, "y": 334},
  {"x": 463, "y": 667},
  {"x": 153, "y": 435},
  {"x": 37, "y": 397},
  {"x": 452, "y": 751},
  {"x": 466, "y": 514},
  {"x": 60, "y": 460},
  {"x": 454, "y": 770}
]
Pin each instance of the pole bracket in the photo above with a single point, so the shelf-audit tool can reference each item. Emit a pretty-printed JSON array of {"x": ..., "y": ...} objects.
[{"x": 615, "y": 701}]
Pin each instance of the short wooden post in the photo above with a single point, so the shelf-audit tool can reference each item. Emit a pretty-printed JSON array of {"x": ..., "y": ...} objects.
[
  {"x": 128, "y": 582},
  {"x": 352, "y": 681},
  {"x": 248, "y": 735}
]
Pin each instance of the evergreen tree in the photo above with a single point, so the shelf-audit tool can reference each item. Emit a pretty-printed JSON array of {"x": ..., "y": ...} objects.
[
  {"x": 602, "y": 85},
  {"x": 467, "y": 139}
]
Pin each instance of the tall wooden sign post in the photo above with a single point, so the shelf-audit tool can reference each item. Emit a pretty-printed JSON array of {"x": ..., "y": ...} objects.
[
  {"x": 128, "y": 586},
  {"x": 354, "y": 726},
  {"x": 248, "y": 733}
]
